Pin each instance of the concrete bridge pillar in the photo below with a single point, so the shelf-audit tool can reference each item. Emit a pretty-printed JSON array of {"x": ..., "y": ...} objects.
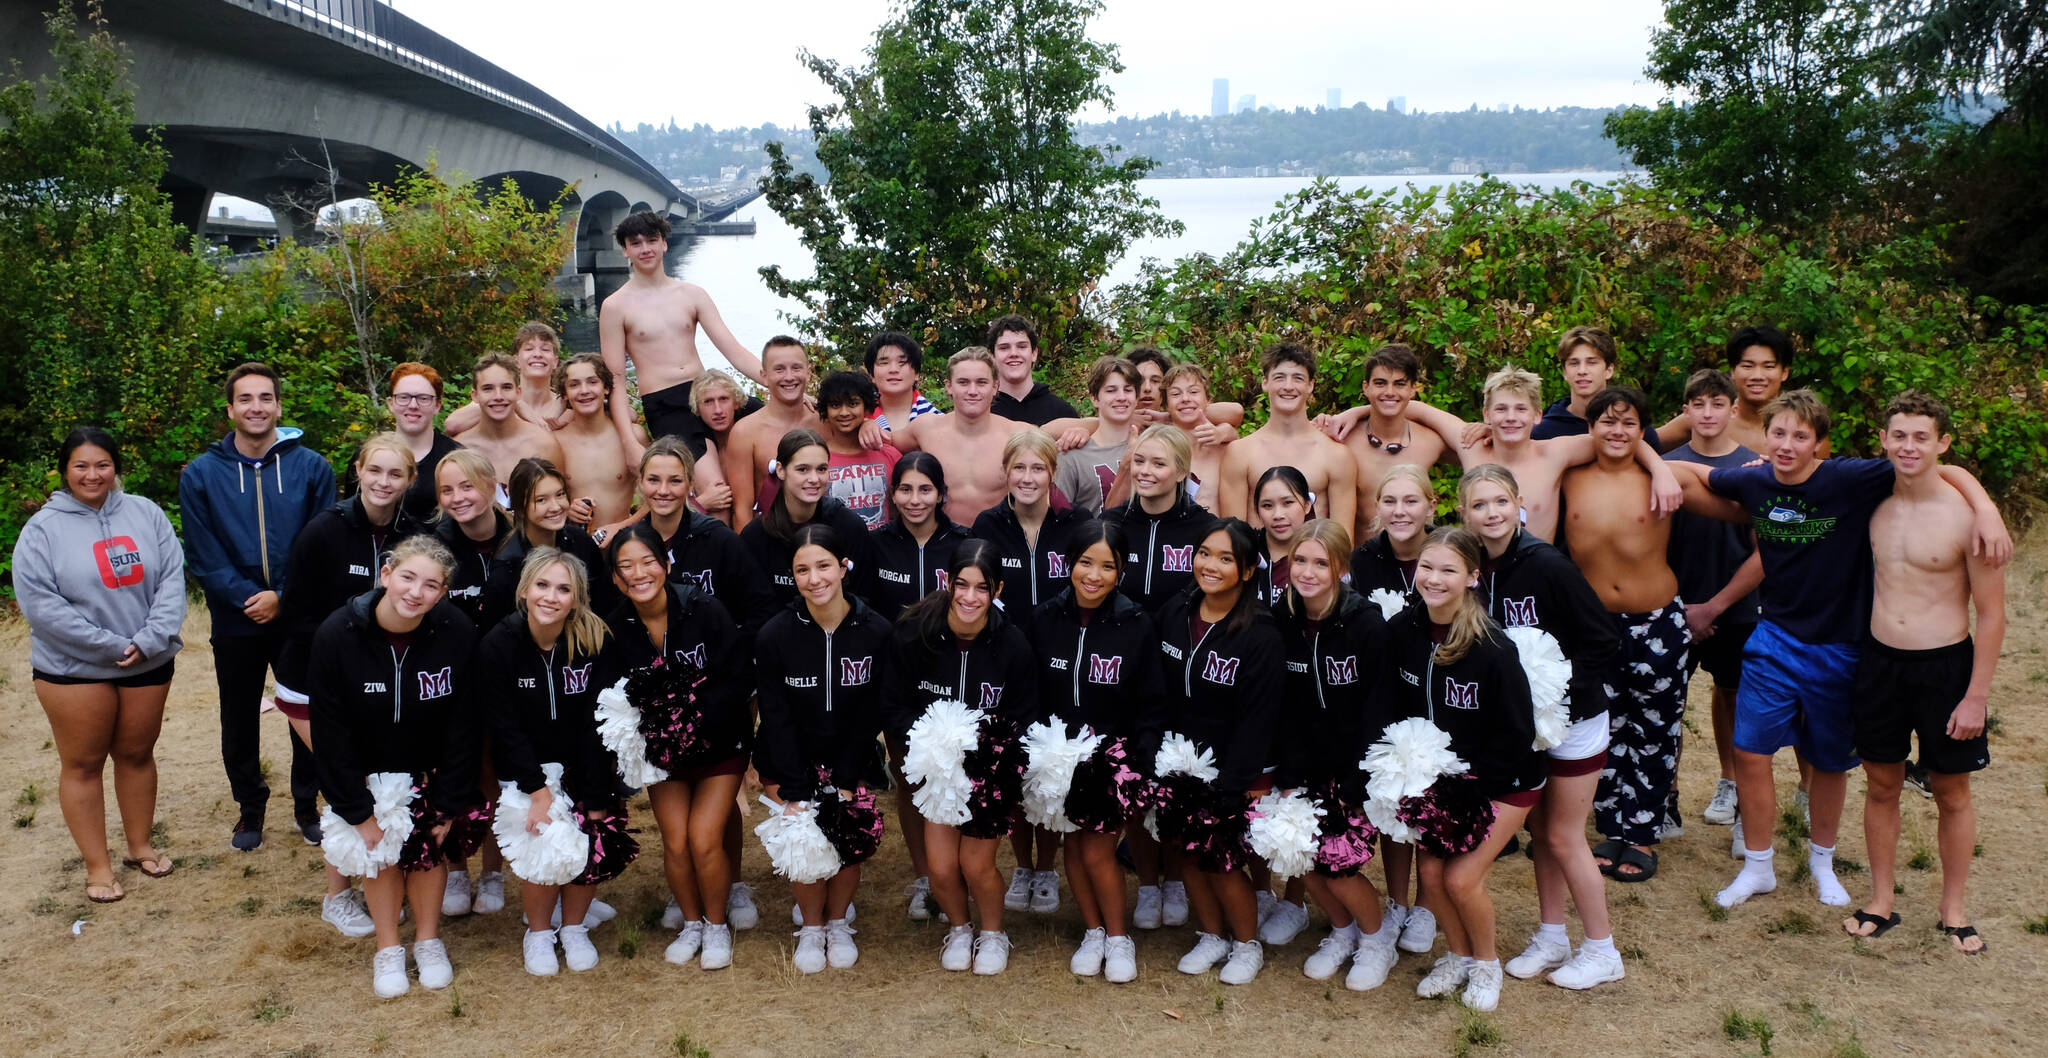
[{"x": 190, "y": 203}]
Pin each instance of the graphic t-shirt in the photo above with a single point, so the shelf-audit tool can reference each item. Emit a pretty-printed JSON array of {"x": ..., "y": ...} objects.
[
  {"x": 1815, "y": 542},
  {"x": 861, "y": 481},
  {"x": 1086, "y": 474},
  {"x": 1706, "y": 552}
]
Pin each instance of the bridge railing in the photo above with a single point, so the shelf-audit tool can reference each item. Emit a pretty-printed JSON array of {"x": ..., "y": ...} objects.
[{"x": 375, "y": 25}]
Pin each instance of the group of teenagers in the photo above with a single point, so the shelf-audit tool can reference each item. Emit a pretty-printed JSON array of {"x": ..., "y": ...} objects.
[{"x": 850, "y": 592}]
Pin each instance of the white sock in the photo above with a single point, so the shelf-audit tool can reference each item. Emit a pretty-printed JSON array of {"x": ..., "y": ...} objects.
[
  {"x": 1757, "y": 876},
  {"x": 1821, "y": 862},
  {"x": 1553, "y": 933},
  {"x": 1603, "y": 946},
  {"x": 1351, "y": 932},
  {"x": 1389, "y": 928}
]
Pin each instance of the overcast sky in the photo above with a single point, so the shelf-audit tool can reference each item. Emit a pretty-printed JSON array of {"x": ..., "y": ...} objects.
[{"x": 729, "y": 64}]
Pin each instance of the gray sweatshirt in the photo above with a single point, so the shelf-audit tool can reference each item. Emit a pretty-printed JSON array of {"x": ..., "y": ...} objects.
[{"x": 92, "y": 581}]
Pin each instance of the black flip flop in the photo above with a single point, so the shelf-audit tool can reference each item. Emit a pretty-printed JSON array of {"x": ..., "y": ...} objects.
[
  {"x": 1881, "y": 926},
  {"x": 1645, "y": 864},
  {"x": 1609, "y": 850},
  {"x": 1962, "y": 933}
]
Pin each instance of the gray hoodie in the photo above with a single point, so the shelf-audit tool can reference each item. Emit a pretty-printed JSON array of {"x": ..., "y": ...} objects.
[{"x": 91, "y": 582}]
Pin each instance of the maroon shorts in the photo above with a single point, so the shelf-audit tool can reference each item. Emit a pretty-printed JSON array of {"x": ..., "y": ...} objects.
[
  {"x": 1522, "y": 798},
  {"x": 293, "y": 710},
  {"x": 1264, "y": 784},
  {"x": 1565, "y": 769}
]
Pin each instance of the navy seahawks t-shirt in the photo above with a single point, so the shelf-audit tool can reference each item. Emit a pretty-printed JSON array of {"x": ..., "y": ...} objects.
[
  {"x": 1706, "y": 552},
  {"x": 1815, "y": 542}
]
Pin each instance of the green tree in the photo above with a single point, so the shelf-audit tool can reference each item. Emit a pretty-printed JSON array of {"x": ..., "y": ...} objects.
[
  {"x": 958, "y": 187},
  {"x": 1780, "y": 109}
]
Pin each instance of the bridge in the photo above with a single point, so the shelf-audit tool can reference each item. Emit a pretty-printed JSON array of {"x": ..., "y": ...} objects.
[{"x": 254, "y": 97}]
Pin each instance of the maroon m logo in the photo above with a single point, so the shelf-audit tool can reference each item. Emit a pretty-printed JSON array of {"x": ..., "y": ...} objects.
[
  {"x": 437, "y": 684},
  {"x": 1105, "y": 670},
  {"x": 1220, "y": 670},
  {"x": 854, "y": 673}
]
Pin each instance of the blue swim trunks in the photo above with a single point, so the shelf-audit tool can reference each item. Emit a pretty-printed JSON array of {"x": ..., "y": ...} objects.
[{"x": 1798, "y": 694}]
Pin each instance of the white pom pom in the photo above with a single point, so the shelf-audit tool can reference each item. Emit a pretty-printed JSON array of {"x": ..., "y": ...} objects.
[
  {"x": 557, "y": 854},
  {"x": 1390, "y": 602},
  {"x": 1550, "y": 675},
  {"x": 934, "y": 753},
  {"x": 1285, "y": 829},
  {"x": 1178, "y": 755},
  {"x": 391, "y": 806},
  {"x": 1409, "y": 756},
  {"x": 1382, "y": 815},
  {"x": 618, "y": 727},
  {"x": 1051, "y": 758},
  {"x": 797, "y": 849}
]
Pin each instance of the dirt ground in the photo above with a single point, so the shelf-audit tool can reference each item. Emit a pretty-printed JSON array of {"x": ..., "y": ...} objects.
[{"x": 229, "y": 956}]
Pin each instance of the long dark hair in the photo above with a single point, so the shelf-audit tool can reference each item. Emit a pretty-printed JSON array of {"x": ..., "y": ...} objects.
[
  {"x": 924, "y": 463},
  {"x": 1094, "y": 531},
  {"x": 643, "y": 531},
  {"x": 1287, "y": 476},
  {"x": 928, "y": 615},
  {"x": 817, "y": 534},
  {"x": 80, "y": 436},
  {"x": 1244, "y": 550},
  {"x": 777, "y": 522},
  {"x": 527, "y": 474}
]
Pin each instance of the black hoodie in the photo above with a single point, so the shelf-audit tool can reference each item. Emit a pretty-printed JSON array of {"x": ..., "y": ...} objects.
[
  {"x": 334, "y": 559},
  {"x": 774, "y": 556},
  {"x": 376, "y": 707},
  {"x": 1374, "y": 565},
  {"x": 905, "y": 570},
  {"x": 472, "y": 565},
  {"x": 1533, "y": 583},
  {"x": 1161, "y": 559},
  {"x": 1105, "y": 674},
  {"x": 994, "y": 671},
  {"x": 542, "y": 707},
  {"x": 821, "y": 699},
  {"x": 1332, "y": 674},
  {"x": 1481, "y": 701},
  {"x": 702, "y": 633},
  {"x": 1224, "y": 689},
  {"x": 1031, "y": 575},
  {"x": 501, "y": 589},
  {"x": 707, "y": 553}
]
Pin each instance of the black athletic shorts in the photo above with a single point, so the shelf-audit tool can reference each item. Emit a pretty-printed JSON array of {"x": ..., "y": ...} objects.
[
  {"x": 1903, "y": 692},
  {"x": 668, "y": 415},
  {"x": 155, "y": 677},
  {"x": 1720, "y": 654}
]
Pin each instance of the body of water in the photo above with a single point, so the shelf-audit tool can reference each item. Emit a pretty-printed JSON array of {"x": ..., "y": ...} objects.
[{"x": 1217, "y": 215}]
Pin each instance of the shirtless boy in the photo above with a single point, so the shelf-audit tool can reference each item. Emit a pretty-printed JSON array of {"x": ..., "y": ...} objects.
[
  {"x": 501, "y": 435},
  {"x": 1290, "y": 439},
  {"x": 1187, "y": 404},
  {"x": 1812, "y": 518},
  {"x": 895, "y": 361},
  {"x": 600, "y": 483},
  {"x": 538, "y": 351},
  {"x": 652, "y": 321},
  {"x": 1922, "y": 673},
  {"x": 1620, "y": 547},
  {"x": 1387, "y": 436},
  {"x": 1152, "y": 367},
  {"x": 968, "y": 440},
  {"x": 1586, "y": 357},
  {"x": 1510, "y": 400},
  {"x": 788, "y": 370}
]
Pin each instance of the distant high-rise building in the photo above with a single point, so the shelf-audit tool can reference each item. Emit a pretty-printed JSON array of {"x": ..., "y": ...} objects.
[
  {"x": 1219, "y": 98},
  {"x": 1336, "y": 99},
  {"x": 1397, "y": 105},
  {"x": 1247, "y": 103}
]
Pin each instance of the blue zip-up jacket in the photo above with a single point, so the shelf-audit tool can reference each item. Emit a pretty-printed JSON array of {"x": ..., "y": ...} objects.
[{"x": 241, "y": 516}]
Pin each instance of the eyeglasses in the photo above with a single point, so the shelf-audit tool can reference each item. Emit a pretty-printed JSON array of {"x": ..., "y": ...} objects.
[{"x": 413, "y": 399}]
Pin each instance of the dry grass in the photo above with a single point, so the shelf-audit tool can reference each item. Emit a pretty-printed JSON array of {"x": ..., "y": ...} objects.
[{"x": 229, "y": 956}]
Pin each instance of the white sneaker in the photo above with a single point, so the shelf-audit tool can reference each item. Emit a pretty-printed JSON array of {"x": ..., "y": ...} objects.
[
  {"x": 430, "y": 958},
  {"x": 1540, "y": 957},
  {"x": 1284, "y": 924},
  {"x": 958, "y": 953},
  {"x": 1120, "y": 960},
  {"x": 1482, "y": 987},
  {"x": 1045, "y": 891},
  {"x": 1018, "y": 896},
  {"x": 717, "y": 953},
  {"x": 599, "y": 913},
  {"x": 991, "y": 953},
  {"x": 1736, "y": 846},
  {"x": 457, "y": 899},
  {"x": 1268, "y": 903},
  {"x": 1393, "y": 918},
  {"x": 387, "y": 972},
  {"x": 1672, "y": 827},
  {"x": 539, "y": 948},
  {"x": 1087, "y": 961},
  {"x": 345, "y": 911},
  {"x": 689, "y": 941},
  {"x": 1375, "y": 959},
  {"x": 1447, "y": 976},
  {"x": 1149, "y": 902},
  {"x": 672, "y": 915},
  {"x": 1174, "y": 910},
  {"x": 1246, "y": 959},
  {"x": 840, "y": 950},
  {"x": 490, "y": 893},
  {"x": 577, "y": 951},
  {"x": 920, "y": 899},
  {"x": 810, "y": 950},
  {"x": 1589, "y": 968},
  {"x": 1418, "y": 930},
  {"x": 740, "y": 912},
  {"x": 1331, "y": 953},
  {"x": 1721, "y": 810},
  {"x": 1209, "y": 950}
]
